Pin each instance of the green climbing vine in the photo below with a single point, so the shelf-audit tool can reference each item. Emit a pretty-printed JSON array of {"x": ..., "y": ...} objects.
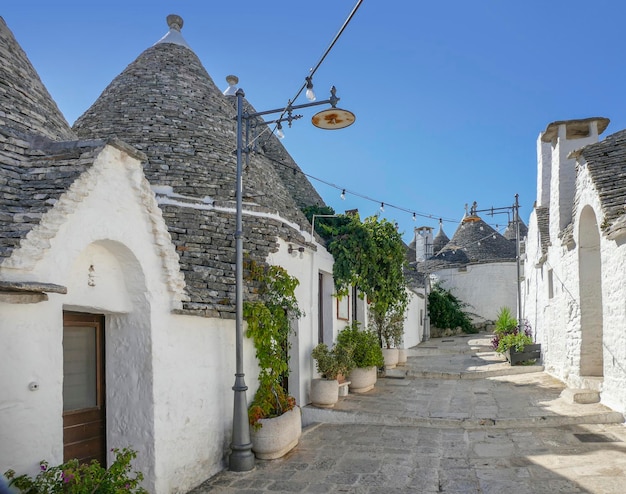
[
  {"x": 371, "y": 256},
  {"x": 269, "y": 325}
]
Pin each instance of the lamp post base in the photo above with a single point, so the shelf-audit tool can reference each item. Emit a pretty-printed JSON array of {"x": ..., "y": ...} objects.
[{"x": 241, "y": 458}]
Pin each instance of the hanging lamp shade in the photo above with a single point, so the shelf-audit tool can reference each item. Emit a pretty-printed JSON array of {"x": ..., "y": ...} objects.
[{"x": 333, "y": 118}]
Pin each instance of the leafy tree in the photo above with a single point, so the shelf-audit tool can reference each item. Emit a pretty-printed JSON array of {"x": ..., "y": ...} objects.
[{"x": 370, "y": 255}]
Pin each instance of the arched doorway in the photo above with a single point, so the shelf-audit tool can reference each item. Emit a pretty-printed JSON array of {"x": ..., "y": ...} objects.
[{"x": 590, "y": 279}]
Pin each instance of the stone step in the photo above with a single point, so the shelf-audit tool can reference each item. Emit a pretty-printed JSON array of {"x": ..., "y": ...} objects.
[
  {"x": 505, "y": 370},
  {"x": 312, "y": 415},
  {"x": 580, "y": 396}
]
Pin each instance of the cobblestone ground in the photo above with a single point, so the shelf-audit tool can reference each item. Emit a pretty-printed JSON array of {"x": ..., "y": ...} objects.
[
  {"x": 456, "y": 418},
  {"x": 375, "y": 459}
]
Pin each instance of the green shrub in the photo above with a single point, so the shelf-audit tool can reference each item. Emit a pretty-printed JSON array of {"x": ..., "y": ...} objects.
[
  {"x": 74, "y": 478},
  {"x": 332, "y": 362},
  {"x": 446, "y": 311},
  {"x": 517, "y": 341},
  {"x": 366, "y": 351}
]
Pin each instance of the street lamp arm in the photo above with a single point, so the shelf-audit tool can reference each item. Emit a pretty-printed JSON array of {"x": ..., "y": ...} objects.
[{"x": 333, "y": 100}]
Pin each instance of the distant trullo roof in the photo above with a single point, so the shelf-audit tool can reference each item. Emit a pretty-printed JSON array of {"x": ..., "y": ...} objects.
[
  {"x": 166, "y": 105},
  {"x": 510, "y": 232},
  {"x": 440, "y": 240},
  {"x": 473, "y": 242}
]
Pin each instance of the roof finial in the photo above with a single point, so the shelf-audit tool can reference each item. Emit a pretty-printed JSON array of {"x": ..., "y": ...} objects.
[
  {"x": 175, "y": 22},
  {"x": 173, "y": 36},
  {"x": 232, "y": 81}
]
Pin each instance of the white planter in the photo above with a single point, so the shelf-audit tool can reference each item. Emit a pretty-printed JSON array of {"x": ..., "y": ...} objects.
[
  {"x": 391, "y": 357},
  {"x": 402, "y": 355},
  {"x": 362, "y": 379},
  {"x": 277, "y": 436},
  {"x": 324, "y": 392}
]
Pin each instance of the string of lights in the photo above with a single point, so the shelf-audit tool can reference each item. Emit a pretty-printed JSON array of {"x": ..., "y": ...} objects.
[{"x": 383, "y": 204}]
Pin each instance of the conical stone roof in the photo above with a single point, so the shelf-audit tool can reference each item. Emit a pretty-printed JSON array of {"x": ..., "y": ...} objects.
[
  {"x": 166, "y": 105},
  {"x": 25, "y": 104},
  {"x": 480, "y": 242},
  {"x": 440, "y": 240},
  {"x": 510, "y": 232}
]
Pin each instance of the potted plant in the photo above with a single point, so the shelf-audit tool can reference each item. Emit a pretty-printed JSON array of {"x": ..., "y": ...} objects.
[
  {"x": 275, "y": 420},
  {"x": 515, "y": 342},
  {"x": 390, "y": 329},
  {"x": 330, "y": 363},
  {"x": 371, "y": 256},
  {"x": 367, "y": 356}
]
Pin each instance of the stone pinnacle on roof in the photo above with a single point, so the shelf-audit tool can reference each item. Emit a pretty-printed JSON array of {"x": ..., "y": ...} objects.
[
  {"x": 175, "y": 23},
  {"x": 232, "y": 81}
]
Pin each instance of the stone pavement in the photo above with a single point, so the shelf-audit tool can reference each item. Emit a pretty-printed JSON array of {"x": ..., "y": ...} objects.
[{"x": 456, "y": 418}]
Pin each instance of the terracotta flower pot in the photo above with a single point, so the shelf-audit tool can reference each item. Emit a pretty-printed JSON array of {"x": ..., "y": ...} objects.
[{"x": 277, "y": 436}]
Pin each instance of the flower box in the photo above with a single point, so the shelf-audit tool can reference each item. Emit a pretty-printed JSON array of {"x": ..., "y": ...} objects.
[{"x": 530, "y": 352}]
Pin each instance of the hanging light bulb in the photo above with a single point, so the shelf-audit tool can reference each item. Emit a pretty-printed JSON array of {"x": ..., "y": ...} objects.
[
  {"x": 279, "y": 131},
  {"x": 414, "y": 217},
  {"x": 493, "y": 236},
  {"x": 479, "y": 243},
  {"x": 310, "y": 95},
  {"x": 382, "y": 207},
  {"x": 343, "y": 195}
]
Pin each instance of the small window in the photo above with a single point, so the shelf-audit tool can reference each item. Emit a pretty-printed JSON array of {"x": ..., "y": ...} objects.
[{"x": 550, "y": 284}]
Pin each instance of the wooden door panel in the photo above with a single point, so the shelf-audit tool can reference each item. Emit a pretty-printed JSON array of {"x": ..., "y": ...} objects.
[
  {"x": 82, "y": 431},
  {"x": 84, "y": 417}
]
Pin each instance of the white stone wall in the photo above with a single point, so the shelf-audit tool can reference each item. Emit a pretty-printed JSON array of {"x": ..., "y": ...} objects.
[
  {"x": 169, "y": 377},
  {"x": 557, "y": 318},
  {"x": 485, "y": 287},
  {"x": 414, "y": 322}
]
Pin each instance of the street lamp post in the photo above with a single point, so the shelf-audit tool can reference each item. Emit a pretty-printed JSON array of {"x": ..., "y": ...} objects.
[{"x": 241, "y": 458}]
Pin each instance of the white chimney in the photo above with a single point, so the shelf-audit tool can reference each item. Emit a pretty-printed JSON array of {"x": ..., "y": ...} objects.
[{"x": 556, "y": 172}]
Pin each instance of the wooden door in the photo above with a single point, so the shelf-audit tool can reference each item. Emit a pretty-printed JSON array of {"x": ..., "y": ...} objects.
[{"x": 84, "y": 418}]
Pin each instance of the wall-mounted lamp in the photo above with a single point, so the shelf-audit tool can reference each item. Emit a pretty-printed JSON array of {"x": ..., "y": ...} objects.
[{"x": 292, "y": 250}]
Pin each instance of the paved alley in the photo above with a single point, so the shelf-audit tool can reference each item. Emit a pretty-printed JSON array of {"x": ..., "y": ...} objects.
[{"x": 456, "y": 418}]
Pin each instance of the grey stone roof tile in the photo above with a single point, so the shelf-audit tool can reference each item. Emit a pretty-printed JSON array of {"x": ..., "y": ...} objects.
[
  {"x": 606, "y": 163},
  {"x": 31, "y": 187},
  {"x": 166, "y": 105},
  {"x": 25, "y": 104}
]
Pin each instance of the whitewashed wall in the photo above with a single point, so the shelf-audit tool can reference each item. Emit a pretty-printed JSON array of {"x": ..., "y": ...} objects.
[
  {"x": 557, "y": 318},
  {"x": 414, "y": 322},
  {"x": 168, "y": 376},
  {"x": 485, "y": 287}
]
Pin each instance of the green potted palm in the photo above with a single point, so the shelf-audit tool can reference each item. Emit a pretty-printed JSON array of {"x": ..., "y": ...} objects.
[
  {"x": 330, "y": 364},
  {"x": 367, "y": 356}
]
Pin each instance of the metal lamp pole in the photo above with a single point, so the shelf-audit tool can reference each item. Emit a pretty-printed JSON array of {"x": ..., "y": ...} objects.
[{"x": 241, "y": 458}]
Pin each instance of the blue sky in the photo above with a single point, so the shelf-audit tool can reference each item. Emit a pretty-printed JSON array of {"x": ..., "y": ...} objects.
[{"x": 449, "y": 97}]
